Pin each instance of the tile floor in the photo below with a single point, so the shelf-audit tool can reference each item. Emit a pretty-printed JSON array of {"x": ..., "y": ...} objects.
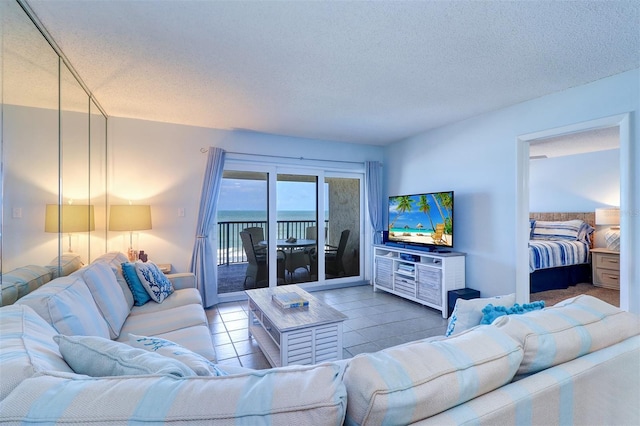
[{"x": 376, "y": 321}]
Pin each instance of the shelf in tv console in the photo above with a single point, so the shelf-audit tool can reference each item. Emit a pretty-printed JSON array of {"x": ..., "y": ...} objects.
[{"x": 426, "y": 279}]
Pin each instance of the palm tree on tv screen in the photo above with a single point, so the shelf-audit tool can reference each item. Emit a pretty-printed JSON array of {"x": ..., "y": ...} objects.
[
  {"x": 404, "y": 205},
  {"x": 425, "y": 207},
  {"x": 445, "y": 200}
]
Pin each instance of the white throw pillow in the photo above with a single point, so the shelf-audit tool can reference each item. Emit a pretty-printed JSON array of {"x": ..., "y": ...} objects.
[
  {"x": 198, "y": 363},
  {"x": 108, "y": 295},
  {"x": 98, "y": 357},
  {"x": 154, "y": 281},
  {"x": 468, "y": 313}
]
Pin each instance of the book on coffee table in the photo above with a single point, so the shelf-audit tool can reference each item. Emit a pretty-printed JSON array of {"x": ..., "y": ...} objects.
[{"x": 289, "y": 300}]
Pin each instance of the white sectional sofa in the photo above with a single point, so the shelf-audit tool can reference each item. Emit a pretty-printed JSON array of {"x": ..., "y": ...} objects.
[{"x": 574, "y": 363}]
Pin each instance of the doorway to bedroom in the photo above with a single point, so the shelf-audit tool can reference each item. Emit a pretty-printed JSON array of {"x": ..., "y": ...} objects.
[
  {"x": 570, "y": 178},
  {"x": 567, "y": 172}
]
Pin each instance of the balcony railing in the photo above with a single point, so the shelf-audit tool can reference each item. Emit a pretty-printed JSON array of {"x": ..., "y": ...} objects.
[{"x": 230, "y": 245}]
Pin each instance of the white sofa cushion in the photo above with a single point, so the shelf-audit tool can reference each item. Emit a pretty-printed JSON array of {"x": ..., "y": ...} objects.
[
  {"x": 115, "y": 260},
  {"x": 108, "y": 295},
  {"x": 199, "y": 364},
  {"x": 297, "y": 395},
  {"x": 26, "y": 347},
  {"x": 155, "y": 323},
  {"x": 468, "y": 313},
  {"x": 66, "y": 303},
  {"x": 566, "y": 331},
  {"x": 196, "y": 338},
  {"x": 98, "y": 357},
  {"x": 411, "y": 382}
]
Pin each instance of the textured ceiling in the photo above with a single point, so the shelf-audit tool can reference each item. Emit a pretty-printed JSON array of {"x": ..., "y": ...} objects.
[
  {"x": 576, "y": 143},
  {"x": 365, "y": 72}
]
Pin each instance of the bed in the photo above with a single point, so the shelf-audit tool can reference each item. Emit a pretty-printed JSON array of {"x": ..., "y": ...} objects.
[{"x": 559, "y": 250}]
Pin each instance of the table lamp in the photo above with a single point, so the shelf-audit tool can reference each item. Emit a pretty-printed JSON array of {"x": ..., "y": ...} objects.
[
  {"x": 610, "y": 216},
  {"x": 75, "y": 218},
  {"x": 130, "y": 218}
]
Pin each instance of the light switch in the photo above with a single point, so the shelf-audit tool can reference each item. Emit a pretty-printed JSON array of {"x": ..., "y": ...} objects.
[
  {"x": 181, "y": 212},
  {"x": 16, "y": 213}
]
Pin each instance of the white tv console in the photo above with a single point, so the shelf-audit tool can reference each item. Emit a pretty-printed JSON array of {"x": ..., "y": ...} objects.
[{"x": 420, "y": 276}]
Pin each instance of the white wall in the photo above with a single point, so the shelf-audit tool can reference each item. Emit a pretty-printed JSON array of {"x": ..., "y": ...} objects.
[
  {"x": 575, "y": 183},
  {"x": 477, "y": 159},
  {"x": 161, "y": 164}
]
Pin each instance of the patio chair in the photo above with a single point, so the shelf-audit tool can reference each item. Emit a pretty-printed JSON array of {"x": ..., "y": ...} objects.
[
  {"x": 333, "y": 257},
  {"x": 311, "y": 233},
  {"x": 257, "y": 235},
  {"x": 257, "y": 268}
]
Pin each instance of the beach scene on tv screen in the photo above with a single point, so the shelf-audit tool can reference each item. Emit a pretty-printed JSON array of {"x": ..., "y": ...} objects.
[{"x": 422, "y": 219}]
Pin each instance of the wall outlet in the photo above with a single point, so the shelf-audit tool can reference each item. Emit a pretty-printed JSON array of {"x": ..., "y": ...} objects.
[
  {"x": 16, "y": 212},
  {"x": 181, "y": 212}
]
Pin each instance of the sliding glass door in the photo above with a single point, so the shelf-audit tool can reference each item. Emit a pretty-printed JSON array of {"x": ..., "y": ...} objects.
[
  {"x": 242, "y": 230},
  {"x": 297, "y": 217},
  {"x": 305, "y": 226}
]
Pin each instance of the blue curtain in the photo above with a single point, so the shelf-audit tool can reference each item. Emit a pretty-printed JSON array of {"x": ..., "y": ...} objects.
[
  {"x": 373, "y": 180},
  {"x": 203, "y": 260}
]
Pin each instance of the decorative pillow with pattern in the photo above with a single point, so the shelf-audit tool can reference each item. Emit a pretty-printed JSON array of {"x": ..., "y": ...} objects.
[
  {"x": 195, "y": 361},
  {"x": 490, "y": 312},
  {"x": 154, "y": 281},
  {"x": 98, "y": 357}
]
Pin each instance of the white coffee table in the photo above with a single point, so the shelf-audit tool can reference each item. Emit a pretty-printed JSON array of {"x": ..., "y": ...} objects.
[{"x": 296, "y": 335}]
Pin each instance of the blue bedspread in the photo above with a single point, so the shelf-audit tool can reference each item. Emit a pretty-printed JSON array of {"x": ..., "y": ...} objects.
[{"x": 552, "y": 253}]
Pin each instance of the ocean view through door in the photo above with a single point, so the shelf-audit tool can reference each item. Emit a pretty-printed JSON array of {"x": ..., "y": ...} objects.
[
  {"x": 267, "y": 228},
  {"x": 242, "y": 227}
]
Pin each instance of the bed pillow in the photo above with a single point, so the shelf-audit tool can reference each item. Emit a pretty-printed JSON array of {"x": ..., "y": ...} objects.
[
  {"x": 468, "y": 313},
  {"x": 195, "y": 361},
  {"x": 490, "y": 312},
  {"x": 154, "y": 281},
  {"x": 532, "y": 224},
  {"x": 140, "y": 295},
  {"x": 98, "y": 357},
  {"x": 560, "y": 230}
]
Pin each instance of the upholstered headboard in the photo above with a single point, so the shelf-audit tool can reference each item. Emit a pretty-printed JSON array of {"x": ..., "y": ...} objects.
[{"x": 588, "y": 217}]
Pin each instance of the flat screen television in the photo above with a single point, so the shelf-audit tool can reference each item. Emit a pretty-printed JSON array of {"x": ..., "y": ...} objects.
[{"x": 422, "y": 220}]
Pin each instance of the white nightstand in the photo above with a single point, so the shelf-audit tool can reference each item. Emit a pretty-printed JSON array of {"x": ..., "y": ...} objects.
[{"x": 605, "y": 266}]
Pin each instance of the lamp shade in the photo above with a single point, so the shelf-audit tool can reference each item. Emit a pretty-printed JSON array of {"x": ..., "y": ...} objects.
[
  {"x": 609, "y": 216},
  {"x": 129, "y": 218},
  {"x": 75, "y": 218}
]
